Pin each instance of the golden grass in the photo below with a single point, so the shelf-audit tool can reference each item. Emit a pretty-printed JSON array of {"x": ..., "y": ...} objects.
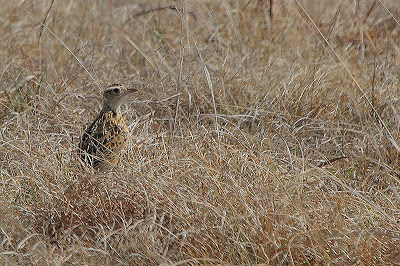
[{"x": 254, "y": 140}]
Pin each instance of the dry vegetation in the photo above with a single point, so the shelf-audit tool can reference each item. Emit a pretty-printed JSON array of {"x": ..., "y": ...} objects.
[{"x": 251, "y": 141}]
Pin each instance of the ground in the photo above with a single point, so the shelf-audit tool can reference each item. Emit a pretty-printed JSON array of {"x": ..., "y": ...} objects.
[{"x": 259, "y": 135}]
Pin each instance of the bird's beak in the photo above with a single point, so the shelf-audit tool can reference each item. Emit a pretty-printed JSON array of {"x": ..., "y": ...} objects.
[{"x": 129, "y": 92}]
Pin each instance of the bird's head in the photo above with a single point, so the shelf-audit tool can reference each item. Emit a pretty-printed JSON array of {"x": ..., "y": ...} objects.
[{"x": 115, "y": 94}]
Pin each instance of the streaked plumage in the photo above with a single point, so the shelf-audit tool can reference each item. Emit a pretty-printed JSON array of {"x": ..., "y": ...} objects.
[{"x": 104, "y": 139}]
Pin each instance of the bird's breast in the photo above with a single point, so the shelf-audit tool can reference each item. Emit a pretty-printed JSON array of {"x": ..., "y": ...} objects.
[{"x": 114, "y": 125}]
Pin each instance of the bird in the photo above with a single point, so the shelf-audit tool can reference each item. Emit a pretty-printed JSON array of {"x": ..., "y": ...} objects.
[{"x": 105, "y": 138}]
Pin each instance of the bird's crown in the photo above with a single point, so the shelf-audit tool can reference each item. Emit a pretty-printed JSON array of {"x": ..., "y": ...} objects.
[{"x": 114, "y": 90}]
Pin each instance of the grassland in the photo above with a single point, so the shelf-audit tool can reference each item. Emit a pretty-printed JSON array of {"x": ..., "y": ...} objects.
[{"x": 257, "y": 137}]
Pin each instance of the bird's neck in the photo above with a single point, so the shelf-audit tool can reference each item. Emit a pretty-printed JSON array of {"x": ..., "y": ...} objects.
[{"x": 109, "y": 109}]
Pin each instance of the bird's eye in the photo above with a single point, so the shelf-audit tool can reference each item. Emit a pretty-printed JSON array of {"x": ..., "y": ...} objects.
[{"x": 116, "y": 90}]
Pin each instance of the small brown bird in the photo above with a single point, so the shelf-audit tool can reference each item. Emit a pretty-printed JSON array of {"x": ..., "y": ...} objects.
[{"x": 105, "y": 138}]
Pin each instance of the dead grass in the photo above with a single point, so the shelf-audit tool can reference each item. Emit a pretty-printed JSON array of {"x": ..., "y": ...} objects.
[{"x": 251, "y": 142}]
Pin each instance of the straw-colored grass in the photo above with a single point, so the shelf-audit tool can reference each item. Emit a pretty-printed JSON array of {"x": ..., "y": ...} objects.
[{"x": 256, "y": 137}]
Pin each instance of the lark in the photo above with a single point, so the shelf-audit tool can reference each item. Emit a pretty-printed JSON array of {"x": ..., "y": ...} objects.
[{"x": 106, "y": 137}]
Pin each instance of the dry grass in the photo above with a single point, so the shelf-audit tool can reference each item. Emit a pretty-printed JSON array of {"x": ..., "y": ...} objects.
[{"x": 251, "y": 141}]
